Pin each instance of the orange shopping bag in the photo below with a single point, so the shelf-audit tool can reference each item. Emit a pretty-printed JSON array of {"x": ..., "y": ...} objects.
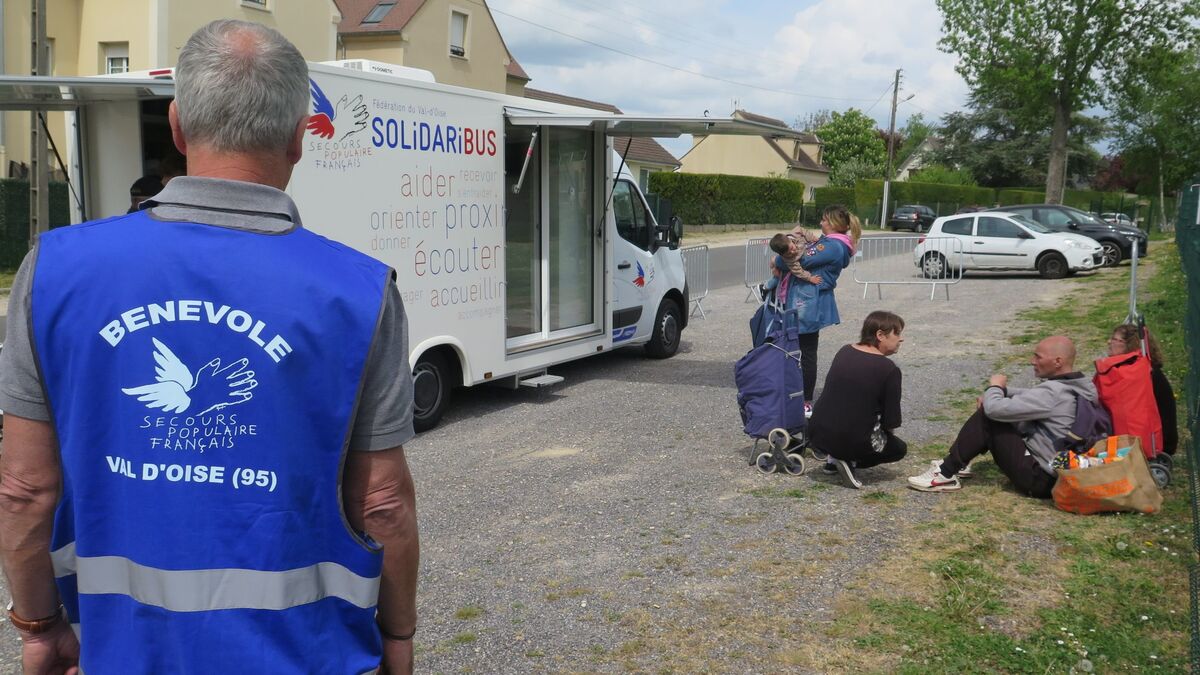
[{"x": 1124, "y": 485}]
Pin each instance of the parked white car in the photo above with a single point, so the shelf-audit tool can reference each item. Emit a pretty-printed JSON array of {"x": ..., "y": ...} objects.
[
  {"x": 1118, "y": 219},
  {"x": 1002, "y": 241}
]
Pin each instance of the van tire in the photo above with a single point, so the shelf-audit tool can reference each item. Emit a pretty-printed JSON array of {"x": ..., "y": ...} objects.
[
  {"x": 1052, "y": 266},
  {"x": 433, "y": 385},
  {"x": 668, "y": 327}
]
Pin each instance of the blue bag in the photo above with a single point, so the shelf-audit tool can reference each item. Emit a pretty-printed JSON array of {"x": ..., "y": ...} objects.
[{"x": 770, "y": 383}]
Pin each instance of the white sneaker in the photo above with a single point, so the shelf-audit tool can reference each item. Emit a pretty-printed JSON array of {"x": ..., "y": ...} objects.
[
  {"x": 807, "y": 410},
  {"x": 933, "y": 481},
  {"x": 965, "y": 472}
]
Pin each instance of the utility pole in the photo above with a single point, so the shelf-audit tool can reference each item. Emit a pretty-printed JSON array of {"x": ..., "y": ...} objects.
[
  {"x": 39, "y": 176},
  {"x": 887, "y": 177}
]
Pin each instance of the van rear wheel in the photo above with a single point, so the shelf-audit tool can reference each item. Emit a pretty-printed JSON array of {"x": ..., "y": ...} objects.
[{"x": 432, "y": 385}]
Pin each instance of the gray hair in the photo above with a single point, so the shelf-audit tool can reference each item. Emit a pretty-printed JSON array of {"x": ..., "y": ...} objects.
[{"x": 240, "y": 87}]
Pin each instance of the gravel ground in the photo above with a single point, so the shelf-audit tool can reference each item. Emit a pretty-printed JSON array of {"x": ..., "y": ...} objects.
[
  {"x": 576, "y": 528},
  {"x": 618, "y": 506}
]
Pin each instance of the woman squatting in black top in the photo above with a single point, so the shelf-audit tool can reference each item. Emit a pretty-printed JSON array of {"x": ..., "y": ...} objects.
[{"x": 858, "y": 412}]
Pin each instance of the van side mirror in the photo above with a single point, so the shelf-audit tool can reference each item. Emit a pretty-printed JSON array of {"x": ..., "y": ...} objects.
[{"x": 668, "y": 234}]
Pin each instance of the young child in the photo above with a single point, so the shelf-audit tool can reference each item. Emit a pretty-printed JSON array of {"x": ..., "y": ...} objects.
[{"x": 792, "y": 248}]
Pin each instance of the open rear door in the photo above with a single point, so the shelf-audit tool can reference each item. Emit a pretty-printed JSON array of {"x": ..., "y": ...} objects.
[{"x": 110, "y": 106}]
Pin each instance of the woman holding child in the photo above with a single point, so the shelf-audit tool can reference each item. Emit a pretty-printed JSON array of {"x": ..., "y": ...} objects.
[
  {"x": 808, "y": 274},
  {"x": 859, "y": 409}
]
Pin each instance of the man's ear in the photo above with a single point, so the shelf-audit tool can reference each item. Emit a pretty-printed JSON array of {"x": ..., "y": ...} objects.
[
  {"x": 296, "y": 146},
  {"x": 176, "y": 130}
]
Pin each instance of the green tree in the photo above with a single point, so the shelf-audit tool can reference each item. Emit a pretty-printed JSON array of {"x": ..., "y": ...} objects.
[
  {"x": 850, "y": 171},
  {"x": 1050, "y": 55},
  {"x": 850, "y": 136},
  {"x": 1156, "y": 117},
  {"x": 1000, "y": 150},
  {"x": 916, "y": 130},
  {"x": 943, "y": 175}
]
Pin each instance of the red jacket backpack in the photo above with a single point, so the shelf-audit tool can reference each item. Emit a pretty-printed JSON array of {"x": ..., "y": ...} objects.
[{"x": 1123, "y": 382}]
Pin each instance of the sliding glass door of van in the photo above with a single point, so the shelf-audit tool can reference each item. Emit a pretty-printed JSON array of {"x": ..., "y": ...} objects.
[{"x": 552, "y": 254}]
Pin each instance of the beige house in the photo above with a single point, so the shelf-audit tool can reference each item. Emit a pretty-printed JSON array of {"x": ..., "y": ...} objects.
[
  {"x": 643, "y": 156},
  {"x": 93, "y": 37},
  {"x": 457, "y": 40},
  {"x": 788, "y": 154},
  {"x": 918, "y": 159}
]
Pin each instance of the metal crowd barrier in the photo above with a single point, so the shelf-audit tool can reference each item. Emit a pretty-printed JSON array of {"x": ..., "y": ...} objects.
[
  {"x": 758, "y": 265},
  {"x": 895, "y": 260},
  {"x": 695, "y": 265}
]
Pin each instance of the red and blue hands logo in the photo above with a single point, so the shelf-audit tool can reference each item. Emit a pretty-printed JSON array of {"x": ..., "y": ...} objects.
[
  {"x": 640, "y": 281},
  {"x": 351, "y": 114}
]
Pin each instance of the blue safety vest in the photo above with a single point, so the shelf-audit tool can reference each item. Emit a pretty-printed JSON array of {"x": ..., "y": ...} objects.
[{"x": 202, "y": 382}]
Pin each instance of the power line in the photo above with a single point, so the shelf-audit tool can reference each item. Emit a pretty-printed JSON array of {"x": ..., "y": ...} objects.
[
  {"x": 651, "y": 27},
  {"x": 709, "y": 39},
  {"x": 885, "y": 91},
  {"x": 675, "y": 68}
]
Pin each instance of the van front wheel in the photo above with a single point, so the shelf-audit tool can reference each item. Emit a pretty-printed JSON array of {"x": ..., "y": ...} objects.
[
  {"x": 432, "y": 385},
  {"x": 664, "y": 342}
]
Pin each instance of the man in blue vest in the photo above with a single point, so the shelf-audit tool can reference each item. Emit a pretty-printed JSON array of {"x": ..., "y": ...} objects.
[{"x": 206, "y": 403}]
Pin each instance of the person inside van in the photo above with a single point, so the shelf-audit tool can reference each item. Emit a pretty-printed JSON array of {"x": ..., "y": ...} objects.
[{"x": 142, "y": 189}]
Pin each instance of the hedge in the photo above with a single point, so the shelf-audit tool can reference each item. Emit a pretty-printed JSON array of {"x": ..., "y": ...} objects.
[
  {"x": 1012, "y": 196},
  {"x": 824, "y": 196},
  {"x": 869, "y": 192},
  {"x": 14, "y": 217},
  {"x": 720, "y": 199}
]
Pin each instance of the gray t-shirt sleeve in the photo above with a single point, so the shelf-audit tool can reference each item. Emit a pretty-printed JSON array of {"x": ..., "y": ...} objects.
[
  {"x": 385, "y": 408},
  {"x": 21, "y": 391}
]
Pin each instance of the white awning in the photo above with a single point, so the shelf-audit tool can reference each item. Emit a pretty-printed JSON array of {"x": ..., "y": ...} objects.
[
  {"x": 649, "y": 127},
  {"x": 68, "y": 93}
]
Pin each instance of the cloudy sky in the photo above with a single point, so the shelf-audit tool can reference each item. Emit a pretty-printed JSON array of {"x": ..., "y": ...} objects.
[{"x": 779, "y": 58}]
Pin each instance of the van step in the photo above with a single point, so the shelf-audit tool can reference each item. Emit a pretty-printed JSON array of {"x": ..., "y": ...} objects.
[{"x": 541, "y": 381}]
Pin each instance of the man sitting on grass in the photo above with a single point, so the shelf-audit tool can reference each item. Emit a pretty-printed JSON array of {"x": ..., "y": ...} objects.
[{"x": 1019, "y": 426}]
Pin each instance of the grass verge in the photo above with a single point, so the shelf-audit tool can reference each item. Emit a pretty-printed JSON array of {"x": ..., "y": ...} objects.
[{"x": 997, "y": 582}]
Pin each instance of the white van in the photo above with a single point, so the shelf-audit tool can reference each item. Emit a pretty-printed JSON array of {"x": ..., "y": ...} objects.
[{"x": 516, "y": 243}]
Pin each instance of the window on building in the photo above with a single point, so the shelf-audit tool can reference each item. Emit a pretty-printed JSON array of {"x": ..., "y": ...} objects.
[
  {"x": 458, "y": 34},
  {"x": 376, "y": 15},
  {"x": 116, "y": 57}
]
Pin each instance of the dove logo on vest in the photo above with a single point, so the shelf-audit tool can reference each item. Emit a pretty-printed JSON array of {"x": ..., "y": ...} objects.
[{"x": 213, "y": 387}]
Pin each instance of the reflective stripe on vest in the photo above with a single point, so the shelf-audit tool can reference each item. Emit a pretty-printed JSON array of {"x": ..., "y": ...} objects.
[{"x": 203, "y": 590}]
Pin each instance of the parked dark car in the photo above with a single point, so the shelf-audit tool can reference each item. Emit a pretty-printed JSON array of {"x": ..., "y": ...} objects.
[
  {"x": 915, "y": 218},
  {"x": 1116, "y": 240}
]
